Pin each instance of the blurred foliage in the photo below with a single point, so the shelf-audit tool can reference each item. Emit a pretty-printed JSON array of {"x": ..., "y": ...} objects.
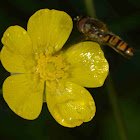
[
  {"x": 123, "y": 19},
  {"x": 131, "y": 117}
]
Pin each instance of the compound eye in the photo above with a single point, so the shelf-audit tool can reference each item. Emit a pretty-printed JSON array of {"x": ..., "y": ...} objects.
[{"x": 81, "y": 24}]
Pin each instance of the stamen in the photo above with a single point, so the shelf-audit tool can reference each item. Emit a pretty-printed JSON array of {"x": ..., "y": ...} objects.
[{"x": 51, "y": 67}]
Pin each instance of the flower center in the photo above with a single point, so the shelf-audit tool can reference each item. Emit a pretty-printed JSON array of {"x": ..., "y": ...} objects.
[{"x": 51, "y": 67}]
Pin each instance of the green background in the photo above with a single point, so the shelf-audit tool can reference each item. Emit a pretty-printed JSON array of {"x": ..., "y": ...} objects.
[{"x": 122, "y": 18}]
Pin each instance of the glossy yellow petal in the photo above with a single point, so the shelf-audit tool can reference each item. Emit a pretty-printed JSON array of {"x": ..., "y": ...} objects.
[
  {"x": 24, "y": 95},
  {"x": 70, "y": 104},
  {"x": 17, "y": 55},
  {"x": 15, "y": 63},
  {"x": 88, "y": 66},
  {"x": 17, "y": 39},
  {"x": 49, "y": 29}
]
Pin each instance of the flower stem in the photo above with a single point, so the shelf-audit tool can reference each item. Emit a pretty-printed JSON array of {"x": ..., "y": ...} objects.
[
  {"x": 0, "y": 91},
  {"x": 116, "y": 108},
  {"x": 90, "y": 8},
  {"x": 89, "y": 4}
]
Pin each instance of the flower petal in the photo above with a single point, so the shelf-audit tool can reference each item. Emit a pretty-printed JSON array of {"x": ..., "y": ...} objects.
[
  {"x": 15, "y": 63},
  {"x": 49, "y": 28},
  {"x": 89, "y": 68},
  {"x": 17, "y": 39},
  {"x": 17, "y": 55},
  {"x": 24, "y": 95},
  {"x": 70, "y": 104}
]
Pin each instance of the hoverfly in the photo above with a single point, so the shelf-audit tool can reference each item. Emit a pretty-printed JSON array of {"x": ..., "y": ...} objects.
[{"x": 96, "y": 30}]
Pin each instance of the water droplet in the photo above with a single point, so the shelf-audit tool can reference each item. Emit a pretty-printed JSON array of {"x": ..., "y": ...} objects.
[
  {"x": 19, "y": 112},
  {"x": 91, "y": 103},
  {"x": 7, "y": 34},
  {"x": 24, "y": 32}
]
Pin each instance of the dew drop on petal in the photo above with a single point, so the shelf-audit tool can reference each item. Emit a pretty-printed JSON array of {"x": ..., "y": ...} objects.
[
  {"x": 24, "y": 32},
  {"x": 7, "y": 34}
]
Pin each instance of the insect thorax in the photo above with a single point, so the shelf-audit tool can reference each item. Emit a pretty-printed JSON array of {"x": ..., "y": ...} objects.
[{"x": 94, "y": 28}]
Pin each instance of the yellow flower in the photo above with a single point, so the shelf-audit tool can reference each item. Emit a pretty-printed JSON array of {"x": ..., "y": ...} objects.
[{"x": 43, "y": 72}]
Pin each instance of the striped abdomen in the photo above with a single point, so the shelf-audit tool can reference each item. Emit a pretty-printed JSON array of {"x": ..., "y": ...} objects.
[{"x": 117, "y": 44}]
